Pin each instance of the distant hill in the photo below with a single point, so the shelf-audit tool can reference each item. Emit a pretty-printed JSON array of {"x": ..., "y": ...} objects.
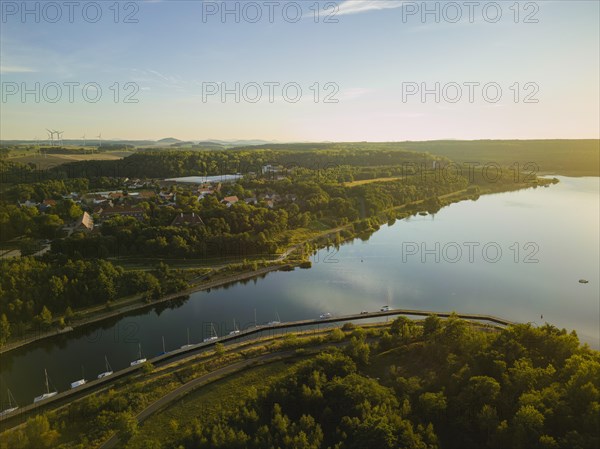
[
  {"x": 558, "y": 157},
  {"x": 168, "y": 140}
]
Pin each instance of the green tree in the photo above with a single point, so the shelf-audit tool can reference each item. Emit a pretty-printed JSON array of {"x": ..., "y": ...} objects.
[
  {"x": 45, "y": 317},
  {"x": 39, "y": 433},
  {"x": 126, "y": 425},
  {"x": 4, "y": 329},
  {"x": 69, "y": 315}
]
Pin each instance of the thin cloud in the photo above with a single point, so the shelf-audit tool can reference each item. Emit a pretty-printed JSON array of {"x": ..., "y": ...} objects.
[
  {"x": 354, "y": 93},
  {"x": 16, "y": 69},
  {"x": 360, "y": 6}
]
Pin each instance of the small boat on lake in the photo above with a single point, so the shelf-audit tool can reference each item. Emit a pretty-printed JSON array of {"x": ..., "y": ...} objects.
[
  {"x": 235, "y": 330},
  {"x": 79, "y": 382},
  {"x": 213, "y": 334},
  {"x": 276, "y": 321},
  {"x": 48, "y": 394},
  {"x": 108, "y": 371},
  {"x": 140, "y": 360},
  {"x": 188, "y": 340},
  {"x": 583, "y": 281},
  {"x": 324, "y": 316},
  {"x": 11, "y": 408}
]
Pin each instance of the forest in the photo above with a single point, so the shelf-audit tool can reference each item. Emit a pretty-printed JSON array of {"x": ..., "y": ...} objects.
[
  {"x": 444, "y": 384},
  {"x": 32, "y": 291}
]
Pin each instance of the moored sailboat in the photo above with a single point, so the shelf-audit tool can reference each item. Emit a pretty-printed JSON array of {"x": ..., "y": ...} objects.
[
  {"x": 11, "y": 408},
  {"x": 235, "y": 330},
  {"x": 79, "y": 382},
  {"x": 277, "y": 321},
  {"x": 213, "y": 334},
  {"x": 188, "y": 340},
  {"x": 108, "y": 371},
  {"x": 140, "y": 360},
  {"x": 48, "y": 394}
]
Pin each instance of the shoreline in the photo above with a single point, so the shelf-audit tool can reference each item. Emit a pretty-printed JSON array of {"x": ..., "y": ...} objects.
[{"x": 138, "y": 306}]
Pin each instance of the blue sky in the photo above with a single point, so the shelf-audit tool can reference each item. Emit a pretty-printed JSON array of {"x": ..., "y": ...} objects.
[{"x": 173, "y": 50}]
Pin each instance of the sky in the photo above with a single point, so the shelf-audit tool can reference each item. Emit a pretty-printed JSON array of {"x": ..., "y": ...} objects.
[{"x": 351, "y": 70}]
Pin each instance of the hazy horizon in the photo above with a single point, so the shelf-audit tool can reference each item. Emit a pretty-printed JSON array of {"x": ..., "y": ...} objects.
[{"x": 366, "y": 77}]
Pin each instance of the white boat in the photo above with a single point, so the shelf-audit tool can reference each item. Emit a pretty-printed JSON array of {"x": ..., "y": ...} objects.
[
  {"x": 140, "y": 360},
  {"x": 213, "y": 334},
  {"x": 108, "y": 371},
  {"x": 385, "y": 309},
  {"x": 80, "y": 382},
  {"x": 276, "y": 322},
  {"x": 48, "y": 394},
  {"x": 11, "y": 408},
  {"x": 235, "y": 330},
  {"x": 188, "y": 340},
  {"x": 324, "y": 316}
]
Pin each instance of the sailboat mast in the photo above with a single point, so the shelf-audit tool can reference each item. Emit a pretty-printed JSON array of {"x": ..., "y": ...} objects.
[
  {"x": 188, "y": 335},
  {"x": 163, "y": 339},
  {"x": 47, "y": 386}
]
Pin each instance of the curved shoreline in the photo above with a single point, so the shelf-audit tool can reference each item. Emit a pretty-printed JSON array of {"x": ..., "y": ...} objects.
[
  {"x": 279, "y": 263},
  {"x": 138, "y": 306}
]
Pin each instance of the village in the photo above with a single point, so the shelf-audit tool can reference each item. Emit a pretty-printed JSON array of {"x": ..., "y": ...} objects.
[{"x": 137, "y": 198}]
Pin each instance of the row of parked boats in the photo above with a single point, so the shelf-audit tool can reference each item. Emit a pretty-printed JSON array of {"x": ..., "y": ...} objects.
[{"x": 12, "y": 404}]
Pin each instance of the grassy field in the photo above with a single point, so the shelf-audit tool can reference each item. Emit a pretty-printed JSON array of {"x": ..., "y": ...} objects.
[
  {"x": 369, "y": 181},
  {"x": 52, "y": 160},
  {"x": 206, "y": 402}
]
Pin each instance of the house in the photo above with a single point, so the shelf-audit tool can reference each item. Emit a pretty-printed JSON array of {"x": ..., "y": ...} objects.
[
  {"x": 46, "y": 205},
  {"x": 204, "y": 191},
  {"x": 29, "y": 204},
  {"x": 266, "y": 169},
  {"x": 187, "y": 220},
  {"x": 85, "y": 223},
  {"x": 167, "y": 196},
  {"x": 147, "y": 194},
  {"x": 252, "y": 200},
  {"x": 124, "y": 211},
  {"x": 115, "y": 195},
  {"x": 143, "y": 195},
  {"x": 230, "y": 200}
]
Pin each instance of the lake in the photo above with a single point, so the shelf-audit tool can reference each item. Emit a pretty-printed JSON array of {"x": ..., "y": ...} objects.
[{"x": 517, "y": 255}]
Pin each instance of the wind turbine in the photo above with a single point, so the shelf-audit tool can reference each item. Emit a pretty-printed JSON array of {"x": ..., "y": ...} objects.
[
  {"x": 83, "y": 137},
  {"x": 100, "y": 137},
  {"x": 59, "y": 139},
  {"x": 50, "y": 137}
]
